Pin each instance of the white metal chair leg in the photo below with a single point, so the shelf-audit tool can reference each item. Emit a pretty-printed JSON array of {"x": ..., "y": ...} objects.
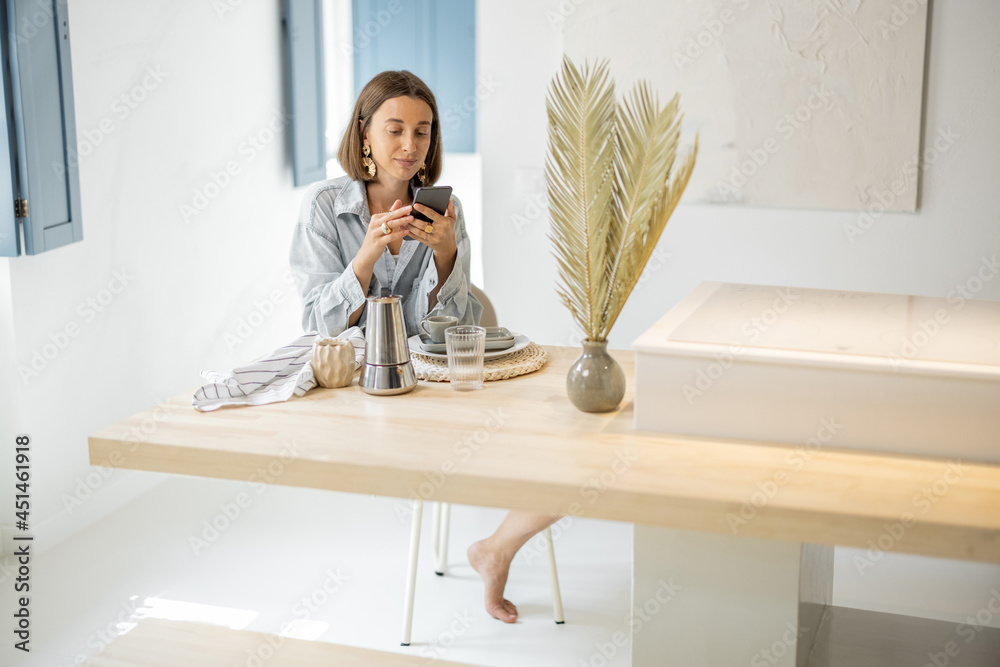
[
  {"x": 437, "y": 532},
  {"x": 441, "y": 541},
  {"x": 554, "y": 579},
  {"x": 411, "y": 573}
]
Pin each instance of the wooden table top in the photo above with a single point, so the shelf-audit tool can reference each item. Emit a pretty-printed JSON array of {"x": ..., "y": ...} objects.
[{"x": 521, "y": 444}]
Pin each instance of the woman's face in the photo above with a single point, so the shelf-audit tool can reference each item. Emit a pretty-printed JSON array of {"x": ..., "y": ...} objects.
[{"x": 399, "y": 136}]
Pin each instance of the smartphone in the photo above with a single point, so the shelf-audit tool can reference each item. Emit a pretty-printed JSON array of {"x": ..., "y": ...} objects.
[{"x": 434, "y": 196}]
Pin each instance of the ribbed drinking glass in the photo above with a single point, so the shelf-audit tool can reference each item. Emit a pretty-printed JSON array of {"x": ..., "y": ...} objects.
[{"x": 466, "y": 345}]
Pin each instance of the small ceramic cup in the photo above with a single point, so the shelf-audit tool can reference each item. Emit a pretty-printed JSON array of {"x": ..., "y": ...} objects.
[
  {"x": 333, "y": 362},
  {"x": 435, "y": 325}
]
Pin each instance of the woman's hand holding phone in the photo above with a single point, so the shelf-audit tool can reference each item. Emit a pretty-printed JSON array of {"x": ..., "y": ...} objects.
[
  {"x": 434, "y": 220},
  {"x": 439, "y": 233},
  {"x": 396, "y": 220}
]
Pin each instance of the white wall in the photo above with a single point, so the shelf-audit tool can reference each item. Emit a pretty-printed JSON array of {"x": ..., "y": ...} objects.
[
  {"x": 10, "y": 418},
  {"x": 188, "y": 282},
  {"x": 927, "y": 253}
]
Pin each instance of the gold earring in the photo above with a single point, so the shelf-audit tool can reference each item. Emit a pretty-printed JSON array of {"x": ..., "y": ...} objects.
[
  {"x": 367, "y": 161},
  {"x": 422, "y": 174}
]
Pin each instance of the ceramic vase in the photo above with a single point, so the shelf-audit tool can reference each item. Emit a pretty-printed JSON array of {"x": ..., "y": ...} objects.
[{"x": 595, "y": 382}]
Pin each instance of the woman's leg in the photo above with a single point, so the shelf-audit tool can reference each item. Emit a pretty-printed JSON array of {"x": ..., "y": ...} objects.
[{"x": 491, "y": 557}]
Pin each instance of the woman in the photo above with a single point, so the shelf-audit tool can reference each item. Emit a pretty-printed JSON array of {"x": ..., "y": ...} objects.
[{"x": 357, "y": 233}]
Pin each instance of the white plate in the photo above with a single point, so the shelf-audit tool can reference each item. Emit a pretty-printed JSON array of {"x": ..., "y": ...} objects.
[{"x": 520, "y": 342}]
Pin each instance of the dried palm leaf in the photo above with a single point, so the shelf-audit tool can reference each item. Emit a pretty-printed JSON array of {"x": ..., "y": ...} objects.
[
  {"x": 579, "y": 174},
  {"x": 611, "y": 188}
]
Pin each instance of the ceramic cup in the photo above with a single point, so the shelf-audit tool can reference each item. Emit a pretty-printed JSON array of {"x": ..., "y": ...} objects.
[
  {"x": 333, "y": 362},
  {"x": 435, "y": 325}
]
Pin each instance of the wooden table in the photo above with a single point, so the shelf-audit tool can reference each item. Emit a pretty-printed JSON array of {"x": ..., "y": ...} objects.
[{"x": 520, "y": 444}]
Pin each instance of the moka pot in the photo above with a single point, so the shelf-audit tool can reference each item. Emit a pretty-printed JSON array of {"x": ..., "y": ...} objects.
[{"x": 387, "y": 368}]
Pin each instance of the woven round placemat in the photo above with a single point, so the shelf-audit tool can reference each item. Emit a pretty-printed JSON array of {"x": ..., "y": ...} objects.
[{"x": 522, "y": 362}]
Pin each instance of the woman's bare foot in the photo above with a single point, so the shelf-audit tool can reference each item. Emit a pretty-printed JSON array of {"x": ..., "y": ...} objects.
[{"x": 493, "y": 569}]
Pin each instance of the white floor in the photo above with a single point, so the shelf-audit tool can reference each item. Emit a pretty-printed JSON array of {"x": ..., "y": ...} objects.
[{"x": 333, "y": 563}]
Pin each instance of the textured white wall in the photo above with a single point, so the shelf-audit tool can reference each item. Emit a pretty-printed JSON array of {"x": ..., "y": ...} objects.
[
  {"x": 798, "y": 103},
  {"x": 926, "y": 253}
]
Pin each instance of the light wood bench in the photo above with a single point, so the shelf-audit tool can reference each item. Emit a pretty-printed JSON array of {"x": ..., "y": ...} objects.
[{"x": 161, "y": 643}]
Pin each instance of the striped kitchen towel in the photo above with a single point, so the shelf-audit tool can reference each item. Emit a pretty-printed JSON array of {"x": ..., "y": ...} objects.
[{"x": 273, "y": 377}]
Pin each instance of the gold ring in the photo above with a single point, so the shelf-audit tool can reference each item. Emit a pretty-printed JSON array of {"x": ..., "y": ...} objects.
[
  {"x": 386, "y": 229},
  {"x": 429, "y": 228}
]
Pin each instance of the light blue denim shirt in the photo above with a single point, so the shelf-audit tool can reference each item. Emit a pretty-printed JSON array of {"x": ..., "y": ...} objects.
[{"x": 332, "y": 224}]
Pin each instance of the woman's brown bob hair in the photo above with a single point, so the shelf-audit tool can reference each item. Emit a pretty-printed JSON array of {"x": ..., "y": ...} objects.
[{"x": 385, "y": 86}]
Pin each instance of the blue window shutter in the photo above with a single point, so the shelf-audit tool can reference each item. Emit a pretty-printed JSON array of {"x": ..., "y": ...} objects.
[
  {"x": 303, "y": 29},
  {"x": 10, "y": 241},
  {"x": 47, "y": 173},
  {"x": 434, "y": 39}
]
